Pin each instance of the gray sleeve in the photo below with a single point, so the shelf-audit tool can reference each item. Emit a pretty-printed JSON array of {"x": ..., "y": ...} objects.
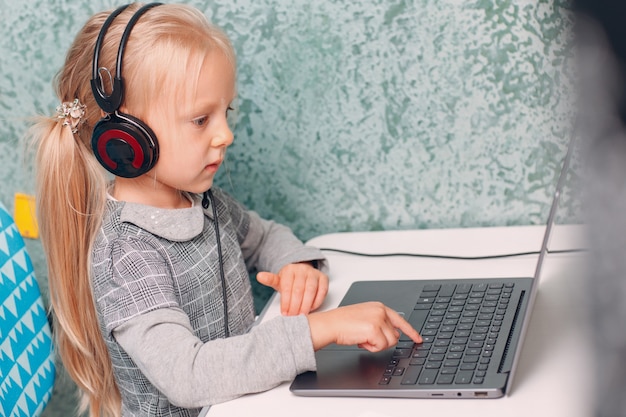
[
  {"x": 194, "y": 374},
  {"x": 269, "y": 246}
]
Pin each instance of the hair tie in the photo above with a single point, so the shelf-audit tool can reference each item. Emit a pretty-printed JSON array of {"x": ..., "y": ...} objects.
[{"x": 71, "y": 113}]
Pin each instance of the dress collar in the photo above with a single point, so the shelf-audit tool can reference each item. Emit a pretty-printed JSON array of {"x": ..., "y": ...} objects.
[{"x": 177, "y": 225}]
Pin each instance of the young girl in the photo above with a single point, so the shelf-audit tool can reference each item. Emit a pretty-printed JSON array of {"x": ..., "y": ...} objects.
[{"x": 149, "y": 269}]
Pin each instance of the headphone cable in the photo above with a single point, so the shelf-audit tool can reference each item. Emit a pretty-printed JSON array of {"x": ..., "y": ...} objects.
[
  {"x": 207, "y": 199},
  {"x": 454, "y": 257}
]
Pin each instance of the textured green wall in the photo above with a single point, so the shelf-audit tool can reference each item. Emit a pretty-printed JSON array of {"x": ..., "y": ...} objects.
[
  {"x": 398, "y": 114},
  {"x": 354, "y": 115}
]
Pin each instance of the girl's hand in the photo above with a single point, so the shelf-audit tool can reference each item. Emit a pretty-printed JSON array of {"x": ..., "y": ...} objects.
[
  {"x": 372, "y": 326},
  {"x": 302, "y": 288}
]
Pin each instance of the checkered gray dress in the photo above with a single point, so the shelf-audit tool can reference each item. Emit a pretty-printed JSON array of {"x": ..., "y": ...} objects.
[{"x": 146, "y": 259}]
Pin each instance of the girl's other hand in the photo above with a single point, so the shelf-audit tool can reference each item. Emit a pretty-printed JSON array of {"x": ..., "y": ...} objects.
[{"x": 302, "y": 287}]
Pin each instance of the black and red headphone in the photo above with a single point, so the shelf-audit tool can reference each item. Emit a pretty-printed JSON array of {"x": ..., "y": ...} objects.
[{"x": 123, "y": 144}]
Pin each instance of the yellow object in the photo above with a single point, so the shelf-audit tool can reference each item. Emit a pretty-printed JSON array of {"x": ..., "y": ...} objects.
[{"x": 25, "y": 217}]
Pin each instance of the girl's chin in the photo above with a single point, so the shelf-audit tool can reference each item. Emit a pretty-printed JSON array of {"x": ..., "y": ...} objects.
[{"x": 202, "y": 187}]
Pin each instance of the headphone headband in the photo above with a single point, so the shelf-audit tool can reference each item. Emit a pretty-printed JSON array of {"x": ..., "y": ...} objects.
[{"x": 112, "y": 102}]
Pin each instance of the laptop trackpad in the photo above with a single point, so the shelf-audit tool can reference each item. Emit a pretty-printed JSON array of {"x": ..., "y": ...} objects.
[{"x": 348, "y": 369}]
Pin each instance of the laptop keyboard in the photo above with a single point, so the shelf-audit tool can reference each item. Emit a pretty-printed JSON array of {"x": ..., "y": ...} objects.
[{"x": 461, "y": 325}]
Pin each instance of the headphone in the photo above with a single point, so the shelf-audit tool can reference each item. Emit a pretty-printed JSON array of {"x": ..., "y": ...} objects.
[{"x": 123, "y": 144}]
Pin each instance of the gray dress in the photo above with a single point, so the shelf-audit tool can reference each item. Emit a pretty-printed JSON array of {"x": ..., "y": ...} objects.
[{"x": 159, "y": 299}]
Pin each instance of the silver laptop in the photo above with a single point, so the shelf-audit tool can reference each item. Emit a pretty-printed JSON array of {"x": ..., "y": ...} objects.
[{"x": 473, "y": 331}]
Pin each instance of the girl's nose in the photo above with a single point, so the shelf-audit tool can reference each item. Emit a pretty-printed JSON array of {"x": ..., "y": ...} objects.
[{"x": 223, "y": 137}]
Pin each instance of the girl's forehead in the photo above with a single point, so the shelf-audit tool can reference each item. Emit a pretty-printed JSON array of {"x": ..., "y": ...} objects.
[
  {"x": 207, "y": 78},
  {"x": 213, "y": 68},
  {"x": 215, "y": 76}
]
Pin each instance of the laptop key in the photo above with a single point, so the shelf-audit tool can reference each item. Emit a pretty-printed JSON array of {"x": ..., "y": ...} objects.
[
  {"x": 402, "y": 353},
  {"x": 417, "y": 320},
  {"x": 417, "y": 361},
  {"x": 445, "y": 379},
  {"x": 464, "y": 377},
  {"x": 463, "y": 288},
  {"x": 405, "y": 345},
  {"x": 411, "y": 375},
  {"x": 451, "y": 363},
  {"x": 398, "y": 371},
  {"x": 428, "y": 376},
  {"x": 446, "y": 290}
]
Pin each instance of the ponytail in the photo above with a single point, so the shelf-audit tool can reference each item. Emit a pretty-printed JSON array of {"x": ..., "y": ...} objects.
[{"x": 71, "y": 193}]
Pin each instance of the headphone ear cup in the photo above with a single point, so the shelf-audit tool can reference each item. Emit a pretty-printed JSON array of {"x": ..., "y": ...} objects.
[{"x": 124, "y": 145}]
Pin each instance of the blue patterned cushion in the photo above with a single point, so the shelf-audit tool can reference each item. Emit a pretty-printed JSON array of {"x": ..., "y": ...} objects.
[{"x": 26, "y": 356}]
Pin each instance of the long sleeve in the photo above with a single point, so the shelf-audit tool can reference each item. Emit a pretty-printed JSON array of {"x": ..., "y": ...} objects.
[{"x": 195, "y": 374}]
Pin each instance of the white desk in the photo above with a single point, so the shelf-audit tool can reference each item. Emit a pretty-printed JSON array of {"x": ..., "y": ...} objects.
[{"x": 553, "y": 378}]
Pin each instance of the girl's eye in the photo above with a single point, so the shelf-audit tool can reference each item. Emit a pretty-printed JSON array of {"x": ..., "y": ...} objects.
[{"x": 200, "y": 121}]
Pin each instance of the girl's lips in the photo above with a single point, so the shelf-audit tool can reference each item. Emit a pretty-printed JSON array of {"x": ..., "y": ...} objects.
[{"x": 214, "y": 166}]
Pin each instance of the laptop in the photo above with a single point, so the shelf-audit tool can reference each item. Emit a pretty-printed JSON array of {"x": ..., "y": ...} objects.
[{"x": 473, "y": 330}]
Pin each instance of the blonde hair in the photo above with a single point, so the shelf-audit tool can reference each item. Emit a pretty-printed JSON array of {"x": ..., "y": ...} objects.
[{"x": 165, "y": 49}]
